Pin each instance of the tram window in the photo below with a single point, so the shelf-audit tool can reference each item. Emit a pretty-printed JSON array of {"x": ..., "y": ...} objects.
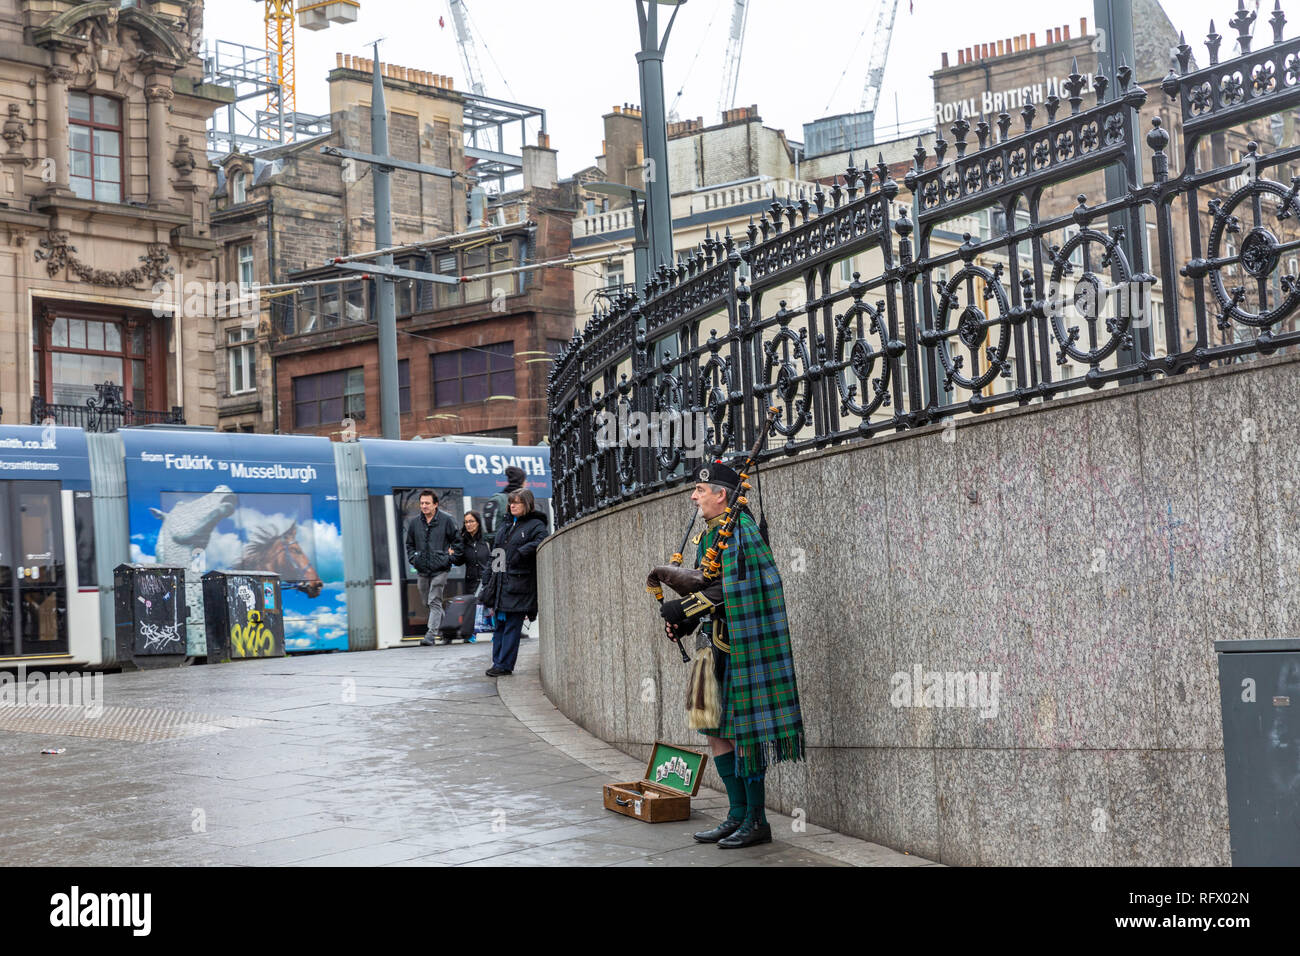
[
  {"x": 83, "y": 516},
  {"x": 379, "y": 538}
]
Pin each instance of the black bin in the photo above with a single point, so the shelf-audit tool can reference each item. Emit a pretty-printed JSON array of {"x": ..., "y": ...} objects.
[
  {"x": 243, "y": 615},
  {"x": 1259, "y": 688},
  {"x": 149, "y": 613}
]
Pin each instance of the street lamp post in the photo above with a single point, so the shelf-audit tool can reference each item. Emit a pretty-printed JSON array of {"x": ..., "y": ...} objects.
[{"x": 654, "y": 130}]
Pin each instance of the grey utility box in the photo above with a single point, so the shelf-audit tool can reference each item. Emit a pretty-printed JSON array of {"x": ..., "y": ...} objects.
[{"x": 1259, "y": 686}]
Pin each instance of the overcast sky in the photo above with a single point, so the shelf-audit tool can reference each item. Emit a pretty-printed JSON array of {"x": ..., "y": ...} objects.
[{"x": 575, "y": 58}]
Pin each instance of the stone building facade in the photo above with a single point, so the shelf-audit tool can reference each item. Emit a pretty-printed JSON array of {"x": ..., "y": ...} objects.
[
  {"x": 473, "y": 358},
  {"x": 104, "y": 208},
  {"x": 284, "y": 211}
]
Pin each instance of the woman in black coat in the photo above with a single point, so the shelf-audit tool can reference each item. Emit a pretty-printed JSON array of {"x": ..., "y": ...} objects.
[
  {"x": 510, "y": 589},
  {"x": 475, "y": 551}
]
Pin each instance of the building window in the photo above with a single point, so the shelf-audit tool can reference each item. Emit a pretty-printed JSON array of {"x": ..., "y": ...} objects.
[
  {"x": 329, "y": 397},
  {"x": 245, "y": 269},
  {"x": 846, "y": 270},
  {"x": 477, "y": 262},
  {"x": 74, "y": 353},
  {"x": 472, "y": 375},
  {"x": 354, "y": 302},
  {"x": 243, "y": 360},
  {"x": 614, "y": 275},
  {"x": 404, "y": 386},
  {"x": 238, "y": 187},
  {"x": 95, "y": 137},
  {"x": 321, "y": 307}
]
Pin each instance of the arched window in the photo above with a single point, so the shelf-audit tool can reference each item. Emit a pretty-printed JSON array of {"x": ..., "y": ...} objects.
[{"x": 238, "y": 189}]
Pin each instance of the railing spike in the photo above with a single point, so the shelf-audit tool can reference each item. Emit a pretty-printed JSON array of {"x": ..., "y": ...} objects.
[
  {"x": 1099, "y": 84},
  {"x": 1212, "y": 42},
  {"x": 1074, "y": 86},
  {"x": 1123, "y": 75},
  {"x": 1242, "y": 21},
  {"x": 1184, "y": 54},
  {"x": 1277, "y": 21},
  {"x": 959, "y": 130}
]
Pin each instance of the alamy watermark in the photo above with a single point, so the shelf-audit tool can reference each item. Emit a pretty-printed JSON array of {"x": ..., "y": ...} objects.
[
  {"x": 671, "y": 429},
  {"x": 198, "y": 299},
  {"x": 55, "y": 689},
  {"x": 922, "y": 688}
]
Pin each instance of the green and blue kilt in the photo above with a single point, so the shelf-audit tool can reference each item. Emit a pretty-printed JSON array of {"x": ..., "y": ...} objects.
[{"x": 760, "y": 697}]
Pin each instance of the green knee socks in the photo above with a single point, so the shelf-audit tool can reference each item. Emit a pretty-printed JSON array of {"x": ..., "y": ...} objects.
[
  {"x": 726, "y": 767},
  {"x": 755, "y": 798}
]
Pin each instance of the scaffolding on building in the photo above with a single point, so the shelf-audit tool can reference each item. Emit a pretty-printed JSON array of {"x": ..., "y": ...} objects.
[
  {"x": 486, "y": 121},
  {"x": 493, "y": 151},
  {"x": 245, "y": 125}
]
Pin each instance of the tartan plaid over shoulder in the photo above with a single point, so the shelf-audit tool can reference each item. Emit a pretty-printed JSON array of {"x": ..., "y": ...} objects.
[{"x": 761, "y": 712}]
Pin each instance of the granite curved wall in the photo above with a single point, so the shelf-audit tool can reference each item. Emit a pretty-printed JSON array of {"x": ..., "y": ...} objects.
[{"x": 1088, "y": 553}]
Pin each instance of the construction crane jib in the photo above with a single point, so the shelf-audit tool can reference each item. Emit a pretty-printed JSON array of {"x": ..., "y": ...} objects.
[
  {"x": 879, "y": 54},
  {"x": 735, "y": 46},
  {"x": 465, "y": 40}
]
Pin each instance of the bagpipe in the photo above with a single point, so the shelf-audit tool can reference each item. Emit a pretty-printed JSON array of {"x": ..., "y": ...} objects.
[{"x": 686, "y": 581}]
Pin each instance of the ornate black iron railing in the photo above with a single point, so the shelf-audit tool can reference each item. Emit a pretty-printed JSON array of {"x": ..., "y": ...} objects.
[
  {"x": 105, "y": 413},
  {"x": 993, "y": 289}
]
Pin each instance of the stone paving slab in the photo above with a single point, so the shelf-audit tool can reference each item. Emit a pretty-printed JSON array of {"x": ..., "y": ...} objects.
[{"x": 406, "y": 757}]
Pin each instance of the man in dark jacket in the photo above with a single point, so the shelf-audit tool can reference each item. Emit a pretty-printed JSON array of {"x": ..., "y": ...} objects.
[
  {"x": 510, "y": 589},
  {"x": 431, "y": 539}
]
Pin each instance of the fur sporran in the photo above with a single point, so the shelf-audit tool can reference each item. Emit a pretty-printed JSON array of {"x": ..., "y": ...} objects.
[{"x": 703, "y": 698}]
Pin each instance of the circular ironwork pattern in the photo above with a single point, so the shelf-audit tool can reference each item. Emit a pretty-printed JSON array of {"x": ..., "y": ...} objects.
[
  {"x": 1259, "y": 255},
  {"x": 972, "y": 327},
  {"x": 1089, "y": 297},
  {"x": 713, "y": 398},
  {"x": 788, "y": 384},
  {"x": 1259, "y": 252},
  {"x": 862, "y": 360},
  {"x": 668, "y": 401}
]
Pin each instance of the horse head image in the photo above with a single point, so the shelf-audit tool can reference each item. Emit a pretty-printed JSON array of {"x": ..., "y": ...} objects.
[{"x": 280, "y": 553}]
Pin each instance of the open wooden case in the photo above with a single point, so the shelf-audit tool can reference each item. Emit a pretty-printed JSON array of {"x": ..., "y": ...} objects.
[{"x": 672, "y": 777}]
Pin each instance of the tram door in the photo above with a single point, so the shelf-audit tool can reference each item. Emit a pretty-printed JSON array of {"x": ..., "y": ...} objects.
[
  {"x": 406, "y": 502},
  {"x": 33, "y": 584}
]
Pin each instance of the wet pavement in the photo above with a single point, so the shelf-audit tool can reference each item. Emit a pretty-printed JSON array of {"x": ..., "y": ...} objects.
[{"x": 405, "y": 757}]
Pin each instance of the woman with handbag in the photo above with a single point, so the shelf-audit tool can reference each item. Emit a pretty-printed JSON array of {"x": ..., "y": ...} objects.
[
  {"x": 475, "y": 553},
  {"x": 510, "y": 589}
]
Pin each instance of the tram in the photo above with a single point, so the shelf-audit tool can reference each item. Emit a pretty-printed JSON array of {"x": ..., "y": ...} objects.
[{"x": 327, "y": 517}]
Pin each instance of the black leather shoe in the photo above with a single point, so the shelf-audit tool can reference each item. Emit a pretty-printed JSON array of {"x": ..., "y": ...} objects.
[
  {"x": 724, "y": 829},
  {"x": 749, "y": 834},
  {"x": 493, "y": 672},
  {"x": 425, "y": 642}
]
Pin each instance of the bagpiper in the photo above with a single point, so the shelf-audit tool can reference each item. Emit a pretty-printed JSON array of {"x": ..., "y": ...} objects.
[{"x": 753, "y": 690}]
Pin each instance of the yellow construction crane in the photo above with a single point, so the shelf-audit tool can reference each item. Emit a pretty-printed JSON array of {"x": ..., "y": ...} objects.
[
  {"x": 279, "y": 51},
  {"x": 315, "y": 15}
]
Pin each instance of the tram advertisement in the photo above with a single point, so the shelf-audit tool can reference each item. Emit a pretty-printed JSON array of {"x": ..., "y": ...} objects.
[{"x": 224, "y": 502}]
